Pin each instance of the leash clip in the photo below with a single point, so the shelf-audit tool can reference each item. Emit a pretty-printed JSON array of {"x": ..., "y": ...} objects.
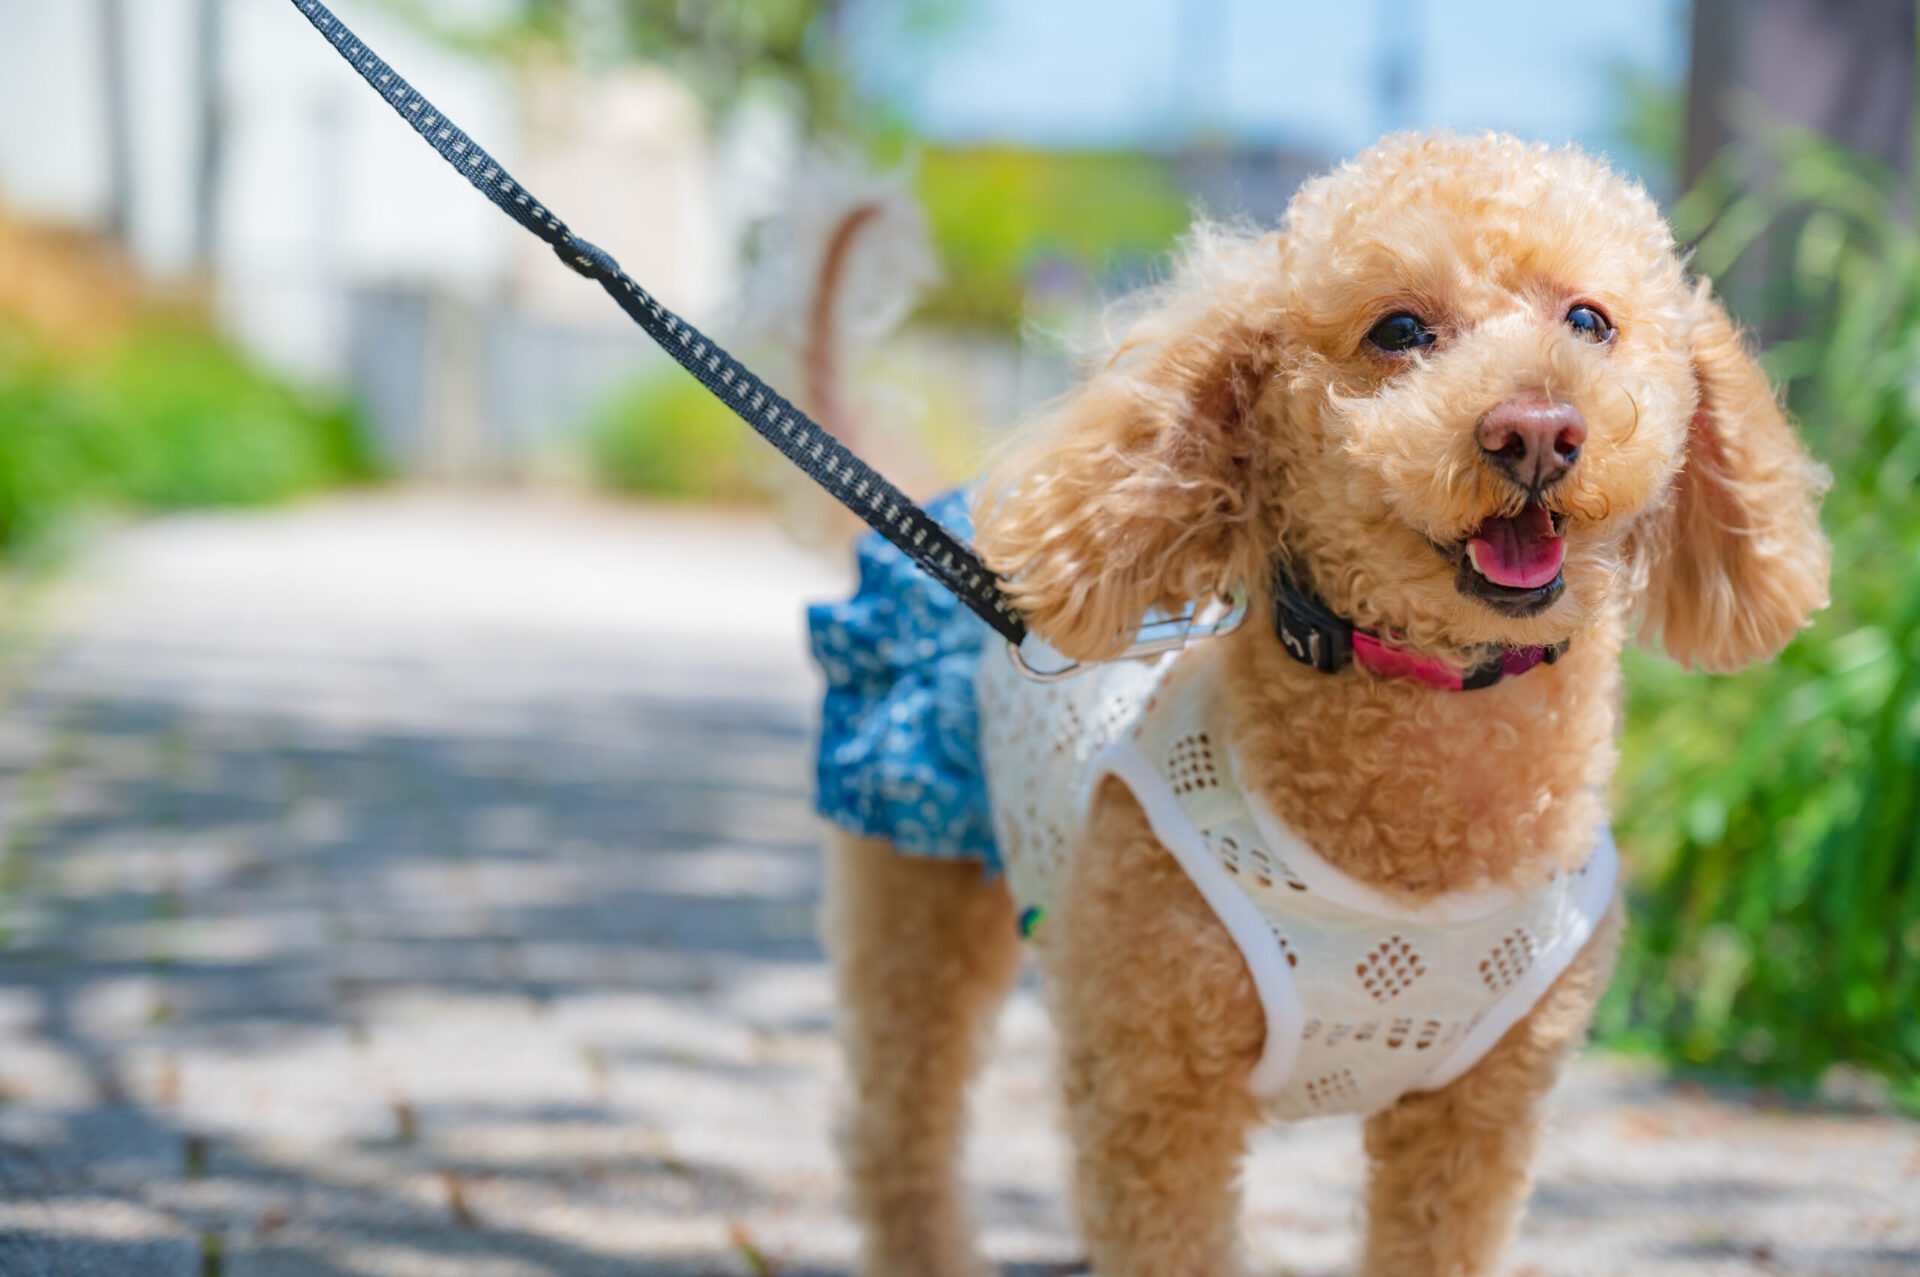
[{"x": 1216, "y": 618}]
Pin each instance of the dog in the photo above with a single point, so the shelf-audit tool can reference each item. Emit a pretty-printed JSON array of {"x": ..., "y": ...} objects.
[{"x": 1456, "y": 432}]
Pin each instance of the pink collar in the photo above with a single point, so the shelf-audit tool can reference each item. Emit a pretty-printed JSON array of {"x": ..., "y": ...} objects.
[
  {"x": 1313, "y": 635},
  {"x": 1384, "y": 656}
]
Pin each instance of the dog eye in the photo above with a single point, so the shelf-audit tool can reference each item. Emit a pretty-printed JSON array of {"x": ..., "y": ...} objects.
[
  {"x": 1401, "y": 331},
  {"x": 1590, "y": 323}
]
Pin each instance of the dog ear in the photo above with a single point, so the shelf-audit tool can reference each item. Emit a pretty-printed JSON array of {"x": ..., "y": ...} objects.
[
  {"x": 1737, "y": 562},
  {"x": 1138, "y": 490}
]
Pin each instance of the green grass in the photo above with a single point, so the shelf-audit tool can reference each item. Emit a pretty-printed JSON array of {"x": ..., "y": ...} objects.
[
  {"x": 1774, "y": 817},
  {"x": 166, "y": 416}
]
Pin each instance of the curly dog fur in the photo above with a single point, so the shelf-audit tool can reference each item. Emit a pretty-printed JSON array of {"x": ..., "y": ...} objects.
[{"x": 1243, "y": 416}]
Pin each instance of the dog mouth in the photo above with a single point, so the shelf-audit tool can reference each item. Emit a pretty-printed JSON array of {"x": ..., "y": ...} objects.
[{"x": 1513, "y": 563}]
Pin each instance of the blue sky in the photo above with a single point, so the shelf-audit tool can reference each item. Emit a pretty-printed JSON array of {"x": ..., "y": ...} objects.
[{"x": 1105, "y": 72}]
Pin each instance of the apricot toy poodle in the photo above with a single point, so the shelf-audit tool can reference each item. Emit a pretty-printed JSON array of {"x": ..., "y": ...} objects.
[{"x": 1456, "y": 430}]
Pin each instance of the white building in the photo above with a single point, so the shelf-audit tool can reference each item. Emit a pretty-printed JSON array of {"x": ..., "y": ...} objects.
[{"x": 345, "y": 251}]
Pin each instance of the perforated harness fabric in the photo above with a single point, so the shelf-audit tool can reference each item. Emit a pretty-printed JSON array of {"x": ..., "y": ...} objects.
[{"x": 1366, "y": 998}]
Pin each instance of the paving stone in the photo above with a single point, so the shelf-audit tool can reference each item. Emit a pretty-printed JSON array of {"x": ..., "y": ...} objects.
[{"x": 424, "y": 884}]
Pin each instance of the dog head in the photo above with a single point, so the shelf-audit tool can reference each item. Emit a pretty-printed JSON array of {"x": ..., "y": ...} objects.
[{"x": 1467, "y": 393}]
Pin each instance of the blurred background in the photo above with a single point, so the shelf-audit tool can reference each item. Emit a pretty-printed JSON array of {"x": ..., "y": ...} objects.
[{"x": 356, "y": 559}]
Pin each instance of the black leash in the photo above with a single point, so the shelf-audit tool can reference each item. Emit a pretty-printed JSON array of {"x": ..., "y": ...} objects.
[{"x": 802, "y": 440}]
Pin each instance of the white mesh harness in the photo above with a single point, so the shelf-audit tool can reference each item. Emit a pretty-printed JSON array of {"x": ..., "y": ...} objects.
[{"x": 1366, "y": 998}]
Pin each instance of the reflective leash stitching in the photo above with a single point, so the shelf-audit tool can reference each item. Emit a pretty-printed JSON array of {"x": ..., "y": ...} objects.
[{"x": 803, "y": 441}]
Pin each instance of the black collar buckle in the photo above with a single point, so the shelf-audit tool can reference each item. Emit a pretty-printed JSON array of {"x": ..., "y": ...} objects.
[{"x": 1309, "y": 631}]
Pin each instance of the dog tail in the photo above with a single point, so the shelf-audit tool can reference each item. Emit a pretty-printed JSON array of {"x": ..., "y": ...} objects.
[
  {"x": 821, "y": 353},
  {"x": 842, "y": 267}
]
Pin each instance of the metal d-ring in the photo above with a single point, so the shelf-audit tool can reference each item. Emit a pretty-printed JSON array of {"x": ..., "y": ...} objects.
[{"x": 1168, "y": 634}]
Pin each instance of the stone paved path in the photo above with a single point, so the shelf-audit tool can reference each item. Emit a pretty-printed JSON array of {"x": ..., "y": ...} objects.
[{"x": 420, "y": 885}]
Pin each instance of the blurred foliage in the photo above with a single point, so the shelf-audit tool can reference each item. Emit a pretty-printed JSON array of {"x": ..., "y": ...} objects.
[
  {"x": 164, "y": 414},
  {"x": 667, "y": 436},
  {"x": 1651, "y": 114},
  {"x": 1649, "y": 110},
  {"x": 1016, "y": 230},
  {"x": 1012, "y": 225},
  {"x": 721, "y": 49},
  {"x": 1774, "y": 817},
  {"x": 1019, "y": 232}
]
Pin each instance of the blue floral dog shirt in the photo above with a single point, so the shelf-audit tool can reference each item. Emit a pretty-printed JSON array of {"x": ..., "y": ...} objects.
[{"x": 900, "y": 729}]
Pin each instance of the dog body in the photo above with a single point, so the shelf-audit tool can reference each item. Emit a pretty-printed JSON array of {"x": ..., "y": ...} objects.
[
  {"x": 1365, "y": 996},
  {"x": 1467, "y": 397}
]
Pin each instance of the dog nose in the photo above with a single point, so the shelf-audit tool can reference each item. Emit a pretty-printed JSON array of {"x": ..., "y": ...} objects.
[{"x": 1534, "y": 439}]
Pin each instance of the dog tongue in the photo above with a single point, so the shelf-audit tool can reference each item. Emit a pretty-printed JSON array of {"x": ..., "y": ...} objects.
[{"x": 1521, "y": 551}]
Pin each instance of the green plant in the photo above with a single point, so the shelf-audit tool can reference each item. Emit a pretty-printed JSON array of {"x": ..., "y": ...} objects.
[
  {"x": 1774, "y": 817},
  {"x": 1003, "y": 216},
  {"x": 667, "y": 436},
  {"x": 166, "y": 415}
]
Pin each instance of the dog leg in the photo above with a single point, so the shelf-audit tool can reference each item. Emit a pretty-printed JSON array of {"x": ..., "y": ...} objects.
[
  {"x": 1159, "y": 1027},
  {"x": 1450, "y": 1168},
  {"x": 924, "y": 952}
]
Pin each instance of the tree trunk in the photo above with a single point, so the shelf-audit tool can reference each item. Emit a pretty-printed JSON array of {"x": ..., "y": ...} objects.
[
  {"x": 1844, "y": 68},
  {"x": 1841, "y": 68},
  {"x": 1710, "y": 80}
]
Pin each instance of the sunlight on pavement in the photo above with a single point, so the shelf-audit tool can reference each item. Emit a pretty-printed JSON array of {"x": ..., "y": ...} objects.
[{"x": 414, "y": 884}]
